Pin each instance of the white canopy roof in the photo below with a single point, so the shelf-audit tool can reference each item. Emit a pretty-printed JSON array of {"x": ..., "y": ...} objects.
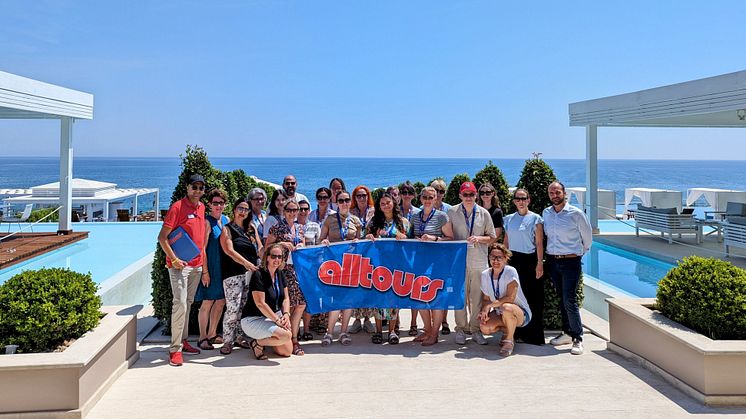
[
  {"x": 660, "y": 198},
  {"x": 717, "y": 198},
  {"x": 606, "y": 201},
  {"x": 23, "y": 98},
  {"x": 718, "y": 101}
]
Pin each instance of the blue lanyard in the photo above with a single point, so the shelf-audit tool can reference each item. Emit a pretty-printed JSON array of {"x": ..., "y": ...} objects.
[
  {"x": 423, "y": 222},
  {"x": 296, "y": 236},
  {"x": 276, "y": 286},
  {"x": 473, "y": 216},
  {"x": 363, "y": 217},
  {"x": 259, "y": 224},
  {"x": 409, "y": 213},
  {"x": 390, "y": 230},
  {"x": 495, "y": 287},
  {"x": 343, "y": 231}
]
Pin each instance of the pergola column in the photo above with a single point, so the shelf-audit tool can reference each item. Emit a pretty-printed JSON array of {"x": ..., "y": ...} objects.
[
  {"x": 66, "y": 175},
  {"x": 591, "y": 175}
]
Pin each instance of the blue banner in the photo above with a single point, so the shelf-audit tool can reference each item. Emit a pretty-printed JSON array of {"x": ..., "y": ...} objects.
[{"x": 384, "y": 273}]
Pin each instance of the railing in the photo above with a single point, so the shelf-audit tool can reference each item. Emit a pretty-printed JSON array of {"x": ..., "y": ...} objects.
[{"x": 31, "y": 225}]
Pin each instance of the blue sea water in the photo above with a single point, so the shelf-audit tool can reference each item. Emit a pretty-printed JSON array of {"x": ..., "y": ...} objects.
[{"x": 162, "y": 173}]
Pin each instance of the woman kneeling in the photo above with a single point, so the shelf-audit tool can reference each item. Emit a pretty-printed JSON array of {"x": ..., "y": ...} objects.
[
  {"x": 266, "y": 315},
  {"x": 504, "y": 307}
]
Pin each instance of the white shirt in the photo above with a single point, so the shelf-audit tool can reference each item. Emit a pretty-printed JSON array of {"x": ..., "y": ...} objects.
[{"x": 509, "y": 274}]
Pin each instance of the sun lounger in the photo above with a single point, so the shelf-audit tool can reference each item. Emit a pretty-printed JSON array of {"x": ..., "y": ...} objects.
[{"x": 666, "y": 221}]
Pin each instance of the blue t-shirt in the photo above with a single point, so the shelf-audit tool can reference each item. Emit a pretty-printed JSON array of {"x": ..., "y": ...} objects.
[{"x": 521, "y": 231}]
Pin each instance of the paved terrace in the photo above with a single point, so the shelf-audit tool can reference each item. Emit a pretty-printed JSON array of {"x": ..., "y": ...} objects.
[{"x": 406, "y": 380}]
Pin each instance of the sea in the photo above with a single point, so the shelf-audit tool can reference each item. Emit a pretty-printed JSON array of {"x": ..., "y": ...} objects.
[{"x": 314, "y": 172}]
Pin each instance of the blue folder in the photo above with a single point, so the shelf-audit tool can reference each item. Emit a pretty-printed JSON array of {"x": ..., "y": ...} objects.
[{"x": 183, "y": 245}]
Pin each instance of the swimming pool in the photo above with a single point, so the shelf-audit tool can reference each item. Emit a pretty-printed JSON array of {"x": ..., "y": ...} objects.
[{"x": 112, "y": 253}]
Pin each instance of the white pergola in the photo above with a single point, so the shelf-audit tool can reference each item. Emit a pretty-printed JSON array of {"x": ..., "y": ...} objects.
[
  {"x": 718, "y": 102},
  {"x": 23, "y": 98}
]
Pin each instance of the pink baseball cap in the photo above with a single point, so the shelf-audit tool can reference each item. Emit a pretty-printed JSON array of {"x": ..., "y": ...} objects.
[{"x": 467, "y": 187}]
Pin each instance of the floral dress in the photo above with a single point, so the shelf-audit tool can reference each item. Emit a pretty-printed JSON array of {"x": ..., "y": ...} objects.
[
  {"x": 284, "y": 233},
  {"x": 390, "y": 230}
]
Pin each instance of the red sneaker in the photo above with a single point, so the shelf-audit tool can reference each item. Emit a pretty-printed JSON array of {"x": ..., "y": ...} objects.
[
  {"x": 189, "y": 349},
  {"x": 175, "y": 359}
]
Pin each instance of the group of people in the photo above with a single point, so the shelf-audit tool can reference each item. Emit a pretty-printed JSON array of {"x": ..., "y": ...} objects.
[{"x": 245, "y": 266}]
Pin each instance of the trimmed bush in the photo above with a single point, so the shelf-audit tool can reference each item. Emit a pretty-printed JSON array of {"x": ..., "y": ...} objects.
[
  {"x": 535, "y": 178},
  {"x": 493, "y": 175},
  {"x": 707, "y": 295},
  {"x": 452, "y": 196},
  {"x": 552, "y": 316},
  {"x": 38, "y": 214},
  {"x": 40, "y": 310}
]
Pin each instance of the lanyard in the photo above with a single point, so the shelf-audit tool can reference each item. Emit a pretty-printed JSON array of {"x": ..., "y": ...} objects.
[
  {"x": 390, "y": 230},
  {"x": 495, "y": 286},
  {"x": 296, "y": 236},
  {"x": 259, "y": 223},
  {"x": 363, "y": 217},
  {"x": 318, "y": 215},
  {"x": 276, "y": 287},
  {"x": 343, "y": 230},
  {"x": 423, "y": 222},
  {"x": 466, "y": 218}
]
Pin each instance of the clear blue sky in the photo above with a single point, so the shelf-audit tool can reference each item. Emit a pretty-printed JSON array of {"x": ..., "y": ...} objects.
[{"x": 378, "y": 78}]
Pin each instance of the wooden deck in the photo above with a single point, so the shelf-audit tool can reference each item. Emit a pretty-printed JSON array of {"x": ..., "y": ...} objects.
[{"x": 27, "y": 245}]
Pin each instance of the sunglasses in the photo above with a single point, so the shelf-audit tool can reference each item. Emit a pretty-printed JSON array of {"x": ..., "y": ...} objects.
[
  {"x": 441, "y": 191},
  {"x": 198, "y": 188},
  {"x": 520, "y": 198},
  {"x": 275, "y": 256},
  {"x": 501, "y": 257},
  {"x": 322, "y": 197},
  {"x": 304, "y": 209},
  {"x": 361, "y": 195},
  {"x": 291, "y": 209},
  {"x": 427, "y": 198},
  {"x": 482, "y": 193},
  {"x": 344, "y": 200},
  {"x": 290, "y": 183},
  {"x": 404, "y": 193},
  {"x": 468, "y": 195},
  {"x": 242, "y": 210},
  {"x": 217, "y": 203},
  {"x": 260, "y": 199}
]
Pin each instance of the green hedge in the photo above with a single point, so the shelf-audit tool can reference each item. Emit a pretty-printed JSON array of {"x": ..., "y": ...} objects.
[
  {"x": 38, "y": 214},
  {"x": 40, "y": 310},
  {"x": 707, "y": 295},
  {"x": 552, "y": 316}
]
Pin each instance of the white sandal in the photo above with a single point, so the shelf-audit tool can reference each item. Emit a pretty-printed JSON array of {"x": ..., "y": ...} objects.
[
  {"x": 326, "y": 340},
  {"x": 345, "y": 339}
]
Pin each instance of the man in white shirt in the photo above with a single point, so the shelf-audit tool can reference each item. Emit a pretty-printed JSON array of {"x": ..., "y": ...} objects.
[
  {"x": 569, "y": 237},
  {"x": 290, "y": 185}
]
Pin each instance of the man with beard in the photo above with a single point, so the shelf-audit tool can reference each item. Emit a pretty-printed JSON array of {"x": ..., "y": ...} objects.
[
  {"x": 290, "y": 185},
  {"x": 569, "y": 236}
]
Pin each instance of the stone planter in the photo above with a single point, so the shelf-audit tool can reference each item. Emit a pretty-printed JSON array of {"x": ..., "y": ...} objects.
[
  {"x": 710, "y": 371},
  {"x": 70, "y": 383}
]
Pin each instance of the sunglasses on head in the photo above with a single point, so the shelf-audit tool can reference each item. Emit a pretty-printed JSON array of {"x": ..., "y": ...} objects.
[
  {"x": 275, "y": 256},
  {"x": 344, "y": 200}
]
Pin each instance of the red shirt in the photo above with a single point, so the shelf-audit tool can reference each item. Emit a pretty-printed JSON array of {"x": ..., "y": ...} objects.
[{"x": 192, "y": 219}]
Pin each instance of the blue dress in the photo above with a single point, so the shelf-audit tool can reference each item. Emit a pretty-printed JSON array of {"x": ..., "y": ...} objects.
[{"x": 214, "y": 253}]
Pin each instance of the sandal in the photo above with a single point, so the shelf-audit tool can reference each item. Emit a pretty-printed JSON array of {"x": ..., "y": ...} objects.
[
  {"x": 506, "y": 347},
  {"x": 445, "y": 330},
  {"x": 226, "y": 349},
  {"x": 205, "y": 345},
  {"x": 216, "y": 340},
  {"x": 345, "y": 339},
  {"x": 297, "y": 350},
  {"x": 393, "y": 338},
  {"x": 261, "y": 356},
  {"x": 377, "y": 338},
  {"x": 308, "y": 336},
  {"x": 413, "y": 331},
  {"x": 326, "y": 340},
  {"x": 242, "y": 344}
]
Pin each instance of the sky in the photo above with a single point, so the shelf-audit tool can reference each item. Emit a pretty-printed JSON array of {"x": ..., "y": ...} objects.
[{"x": 353, "y": 78}]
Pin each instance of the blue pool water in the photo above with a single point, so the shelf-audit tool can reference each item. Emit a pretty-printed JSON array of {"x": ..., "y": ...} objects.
[
  {"x": 623, "y": 271},
  {"x": 109, "y": 248}
]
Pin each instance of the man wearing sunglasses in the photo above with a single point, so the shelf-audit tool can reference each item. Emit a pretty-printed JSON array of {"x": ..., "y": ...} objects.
[
  {"x": 472, "y": 223},
  {"x": 189, "y": 214},
  {"x": 290, "y": 186}
]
